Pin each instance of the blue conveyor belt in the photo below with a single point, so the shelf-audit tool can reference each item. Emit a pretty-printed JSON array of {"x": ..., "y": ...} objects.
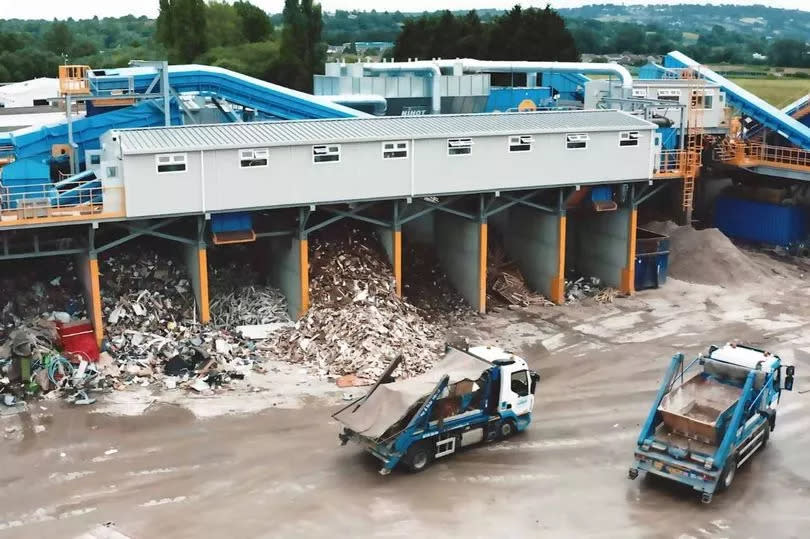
[
  {"x": 749, "y": 104},
  {"x": 268, "y": 98}
]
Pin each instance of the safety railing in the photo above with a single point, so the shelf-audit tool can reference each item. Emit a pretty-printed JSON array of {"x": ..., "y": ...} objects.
[
  {"x": 756, "y": 154},
  {"x": 45, "y": 203},
  {"x": 73, "y": 80},
  {"x": 669, "y": 164}
]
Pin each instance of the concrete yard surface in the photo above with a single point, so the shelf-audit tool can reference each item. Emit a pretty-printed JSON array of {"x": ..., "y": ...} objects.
[{"x": 265, "y": 471}]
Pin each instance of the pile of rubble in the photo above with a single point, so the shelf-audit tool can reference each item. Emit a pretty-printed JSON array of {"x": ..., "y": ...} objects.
[
  {"x": 427, "y": 287},
  {"x": 356, "y": 324}
]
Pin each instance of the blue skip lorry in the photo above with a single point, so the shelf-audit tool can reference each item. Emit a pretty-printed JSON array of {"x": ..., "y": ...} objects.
[
  {"x": 470, "y": 396},
  {"x": 704, "y": 426}
]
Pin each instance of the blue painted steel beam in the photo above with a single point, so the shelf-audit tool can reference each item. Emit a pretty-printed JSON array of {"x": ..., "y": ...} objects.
[
  {"x": 646, "y": 429},
  {"x": 749, "y": 104}
]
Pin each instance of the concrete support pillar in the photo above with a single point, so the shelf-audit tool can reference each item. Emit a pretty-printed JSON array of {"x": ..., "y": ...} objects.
[
  {"x": 605, "y": 247},
  {"x": 289, "y": 272},
  {"x": 87, "y": 265},
  {"x": 536, "y": 241},
  {"x": 461, "y": 247},
  {"x": 197, "y": 266}
]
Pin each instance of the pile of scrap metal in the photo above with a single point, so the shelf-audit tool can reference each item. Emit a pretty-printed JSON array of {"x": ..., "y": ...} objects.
[
  {"x": 34, "y": 362},
  {"x": 588, "y": 287},
  {"x": 356, "y": 321},
  {"x": 154, "y": 334}
]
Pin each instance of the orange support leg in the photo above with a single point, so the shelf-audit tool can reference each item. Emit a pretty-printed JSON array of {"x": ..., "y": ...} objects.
[
  {"x": 205, "y": 308},
  {"x": 558, "y": 282},
  {"x": 398, "y": 261},
  {"x": 303, "y": 268},
  {"x": 482, "y": 269},
  {"x": 95, "y": 301},
  {"x": 628, "y": 275}
]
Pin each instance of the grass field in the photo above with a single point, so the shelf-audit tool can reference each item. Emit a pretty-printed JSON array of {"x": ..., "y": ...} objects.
[{"x": 778, "y": 92}]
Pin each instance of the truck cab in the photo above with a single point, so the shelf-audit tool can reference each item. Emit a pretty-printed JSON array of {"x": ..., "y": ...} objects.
[{"x": 475, "y": 395}]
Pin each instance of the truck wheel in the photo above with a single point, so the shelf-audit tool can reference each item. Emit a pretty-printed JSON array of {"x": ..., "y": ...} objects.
[
  {"x": 418, "y": 458},
  {"x": 729, "y": 471},
  {"x": 507, "y": 429}
]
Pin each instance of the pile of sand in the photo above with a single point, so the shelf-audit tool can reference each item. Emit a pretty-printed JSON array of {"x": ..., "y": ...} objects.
[{"x": 706, "y": 257}]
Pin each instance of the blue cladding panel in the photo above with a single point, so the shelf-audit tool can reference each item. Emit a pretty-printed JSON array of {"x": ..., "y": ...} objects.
[
  {"x": 761, "y": 222},
  {"x": 669, "y": 137},
  {"x": 231, "y": 222},
  {"x": 502, "y": 99},
  {"x": 601, "y": 193}
]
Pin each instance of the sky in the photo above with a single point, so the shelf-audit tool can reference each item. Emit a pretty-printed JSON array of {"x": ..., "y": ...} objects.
[{"x": 81, "y": 9}]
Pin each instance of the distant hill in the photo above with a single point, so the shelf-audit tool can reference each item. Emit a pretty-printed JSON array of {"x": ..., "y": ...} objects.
[{"x": 767, "y": 22}]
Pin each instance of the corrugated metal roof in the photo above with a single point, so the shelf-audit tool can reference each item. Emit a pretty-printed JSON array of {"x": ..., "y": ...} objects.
[{"x": 290, "y": 133}]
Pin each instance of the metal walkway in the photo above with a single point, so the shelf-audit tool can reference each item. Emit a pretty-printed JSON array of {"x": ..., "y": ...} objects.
[{"x": 749, "y": 104}]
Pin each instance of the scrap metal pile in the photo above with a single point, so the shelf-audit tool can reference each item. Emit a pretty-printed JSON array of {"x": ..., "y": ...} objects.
[
  {"x": 154, "y": 331},
  {"x": 37, "y": 299},
  {"x": 588, "y": 287},
  {"x": 356, "y": 322}
]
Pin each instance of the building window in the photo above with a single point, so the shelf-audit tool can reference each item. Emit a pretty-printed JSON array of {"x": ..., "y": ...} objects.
[
  {"x": 326, "y": 154},
  {"x": 520, "y": 383},
  {"x": 395, "y": 150},
  {"x": 95, "y": 159},
  {"x": 640, "y": 92},
  {"x": 254, "y": 158},
  {"x": 173, "y": 162},
  {"x": 703, "y": 99},
  {"x": 628, "y": 138},
  {"x": 521, "y": 143},
  {"x": 112, "y": 172},
  {"x": 669, "y": 94},
  {"x": 577, "y": 141},
  {"x": 459, "y": 146}
]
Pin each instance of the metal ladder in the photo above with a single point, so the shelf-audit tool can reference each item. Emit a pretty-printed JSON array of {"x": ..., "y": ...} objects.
[{"x": 692, "y": 156}]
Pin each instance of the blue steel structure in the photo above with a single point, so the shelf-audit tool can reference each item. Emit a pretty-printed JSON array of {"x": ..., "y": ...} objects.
[
  {"x": 742, "y": 429},
  {"x": 749, "y": 104}
]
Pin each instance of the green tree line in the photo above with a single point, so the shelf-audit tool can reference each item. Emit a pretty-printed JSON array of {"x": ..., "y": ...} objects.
[{"x": 287, "y": 48}]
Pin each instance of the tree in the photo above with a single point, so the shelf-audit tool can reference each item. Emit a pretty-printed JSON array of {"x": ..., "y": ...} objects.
[
  {"x": 58, "y": 38},
  {"x": 302, "y": 50},
  {"x": 223, "y": 25},
  {"x": 181, "y": 27},
  {"x": 256, "y": 24}
]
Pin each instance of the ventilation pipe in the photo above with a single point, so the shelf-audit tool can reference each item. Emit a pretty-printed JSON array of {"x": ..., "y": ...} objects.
[
  {"x": 432, "y": 68},
  {"x": 469, "y": 65}
]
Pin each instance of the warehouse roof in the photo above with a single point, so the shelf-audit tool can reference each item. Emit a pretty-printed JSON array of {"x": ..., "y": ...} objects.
[{"x": 290, "y": 133}]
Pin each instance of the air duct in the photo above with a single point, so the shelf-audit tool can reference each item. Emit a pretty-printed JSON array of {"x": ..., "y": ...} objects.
[
  {"x": 469, "y": 65},
  {"x": 432, "y": 68}
]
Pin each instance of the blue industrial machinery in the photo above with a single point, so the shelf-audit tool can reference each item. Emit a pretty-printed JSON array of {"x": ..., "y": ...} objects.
[
  {"x": 750, "y": 105},
  {"x": 454, "y": 411},
  {"x": 701, "y": 429}
]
